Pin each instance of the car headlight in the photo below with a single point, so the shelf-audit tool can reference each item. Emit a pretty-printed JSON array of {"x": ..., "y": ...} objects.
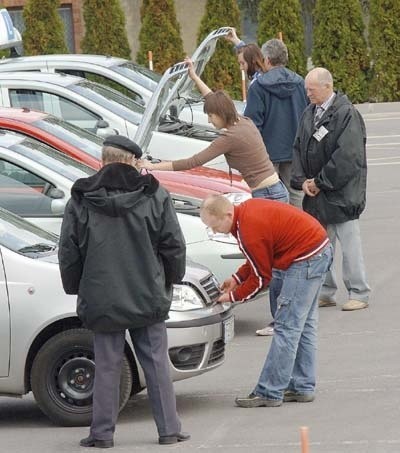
[
  {"x": 227, "y": 238},
  {"x": 185, "y": 298},
  {"x": 237, "y": 197}
]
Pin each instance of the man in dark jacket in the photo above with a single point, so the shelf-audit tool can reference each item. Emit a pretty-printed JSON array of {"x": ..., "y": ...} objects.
[
  {"x": 330, "y": 166},
  {"x": 121, "y": 251},
  {"x": 275, "y": 101}
]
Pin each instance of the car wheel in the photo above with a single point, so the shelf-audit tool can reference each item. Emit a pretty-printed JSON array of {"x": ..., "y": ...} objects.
[{"x": 63, "y": 375}]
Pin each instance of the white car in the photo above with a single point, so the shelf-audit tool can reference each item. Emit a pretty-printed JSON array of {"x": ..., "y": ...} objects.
[
  {"x": 35, "y": 183},
  {"x": 95, "y": 107},
  {"x": 45, "y": 349},
  {"x": 131, "y": 79}
]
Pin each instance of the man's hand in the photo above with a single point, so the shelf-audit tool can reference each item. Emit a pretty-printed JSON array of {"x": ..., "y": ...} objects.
[
  {"x": 309, "y": 188},
  {"x": 229, "y": 285},
  {"x": 224, "y": 297}
]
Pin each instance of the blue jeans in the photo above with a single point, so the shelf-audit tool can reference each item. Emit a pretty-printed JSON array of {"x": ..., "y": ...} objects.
[
  {"x": 276, "y": 192},
  {"x": 290, "y": 363}
]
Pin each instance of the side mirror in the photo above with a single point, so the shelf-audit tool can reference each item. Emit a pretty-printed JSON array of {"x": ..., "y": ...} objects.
[
  {"x": 55, "y": 193},
  {"x": 103, "y": 129},
  {"x": 58, "y": 206}
]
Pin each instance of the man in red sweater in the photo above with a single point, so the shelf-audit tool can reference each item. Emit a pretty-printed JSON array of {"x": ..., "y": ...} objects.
[{"x": 282, "y": 240}]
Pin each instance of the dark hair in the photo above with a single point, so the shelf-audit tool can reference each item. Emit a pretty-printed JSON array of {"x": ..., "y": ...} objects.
[
  {"x": 253, "y": 57},
  {"x": 221, "y": 104}
]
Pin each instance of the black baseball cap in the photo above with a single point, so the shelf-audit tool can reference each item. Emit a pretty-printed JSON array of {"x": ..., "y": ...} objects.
[{"x": 121, "y": 142}]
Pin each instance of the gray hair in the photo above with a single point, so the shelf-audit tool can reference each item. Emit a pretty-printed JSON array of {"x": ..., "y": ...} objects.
[
  {"x": 276, "y": 52},
  {"x": 110, "y": 155}
]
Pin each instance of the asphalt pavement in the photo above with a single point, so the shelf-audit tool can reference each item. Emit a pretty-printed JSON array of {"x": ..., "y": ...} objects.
[{"x": 358, "y": 396}]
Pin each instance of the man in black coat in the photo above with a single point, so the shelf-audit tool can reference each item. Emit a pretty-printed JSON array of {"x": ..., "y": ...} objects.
[
  {"x": 121, "y": 251},
  {"x": 330, "y": 166}
]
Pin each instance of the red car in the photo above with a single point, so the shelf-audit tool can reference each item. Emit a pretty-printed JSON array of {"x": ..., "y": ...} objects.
[{"x": 184, "y": 186}]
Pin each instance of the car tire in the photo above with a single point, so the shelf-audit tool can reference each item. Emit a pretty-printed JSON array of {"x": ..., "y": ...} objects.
[{"x": 62, "y": 378}]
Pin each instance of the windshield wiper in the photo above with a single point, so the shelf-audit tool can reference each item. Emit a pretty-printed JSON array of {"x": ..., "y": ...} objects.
[{"x": 37, "y": 248}]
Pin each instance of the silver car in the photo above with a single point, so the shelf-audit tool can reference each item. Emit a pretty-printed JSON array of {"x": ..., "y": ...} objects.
[{"x": 45, "y": 349}]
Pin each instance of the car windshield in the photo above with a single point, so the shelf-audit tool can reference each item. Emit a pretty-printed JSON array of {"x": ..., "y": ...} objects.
[
  {"x": 50, "y": 158},
  {"x": 74, "y": 135},
  {"x": 24, "y": 237},
  {"x": 139, "y": 74},
  {"x": 110, "y": 99}
]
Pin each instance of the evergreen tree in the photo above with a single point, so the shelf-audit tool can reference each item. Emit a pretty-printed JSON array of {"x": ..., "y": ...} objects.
[
  {"x": 340, "y": 46},
  {"x": 384, "y": 38},
  {"x": 222, "y": 71},
  {"x": 105, "y": 29},
  {"x": 160, "y": 33},
  {"x": 284, "y": 17},
  {"x": 44, "y": 28}
]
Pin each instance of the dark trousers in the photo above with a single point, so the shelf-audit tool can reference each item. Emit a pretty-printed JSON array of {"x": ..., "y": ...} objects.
[{"x": 151, "y": 347}]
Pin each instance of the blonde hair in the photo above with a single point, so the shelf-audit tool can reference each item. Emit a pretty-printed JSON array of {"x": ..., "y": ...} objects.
[
  {"x": 216, "y": 205},
  {"x": 109, "y": 155}
]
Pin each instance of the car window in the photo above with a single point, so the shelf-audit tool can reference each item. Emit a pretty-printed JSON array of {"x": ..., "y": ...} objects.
[
  {"x": 104, "y": 81},
  {"x": 23, "y": 237},
  {"x": 24, "y": 193},
  {"x": 56, "y": 105},
  {"x": 76, "y": 136},
  {"x": 110, "y": 99},
  {"x": 47, "y": 156}
]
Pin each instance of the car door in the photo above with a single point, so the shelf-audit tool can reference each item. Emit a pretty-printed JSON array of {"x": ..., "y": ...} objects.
[
  {"x": 56, "y": 105},
  {"x": 30, "y": 196},
  {"x": 4, "y": 322}
]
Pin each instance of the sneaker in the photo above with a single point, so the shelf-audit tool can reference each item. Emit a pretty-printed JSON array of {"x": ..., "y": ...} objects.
[
  {"x": 254, "y": 400},
  {"x": 291, "y": 396},
  {"x": 173, "y": 438},
  {"x": 266, "y": 332},
  {"x": 353, "y": 304},
  {"x": 326, "y": 303}
]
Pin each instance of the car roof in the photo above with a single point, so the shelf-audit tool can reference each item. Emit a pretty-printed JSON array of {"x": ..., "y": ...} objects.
[
  {"x": 26, "y": 115},
  {"x": 61, "y": 79},
  {"x": 101, "y": 60}
]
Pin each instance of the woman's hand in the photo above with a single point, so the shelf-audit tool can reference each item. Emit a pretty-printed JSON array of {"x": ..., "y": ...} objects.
[
  {"x": 144, "y": 163},
  {"x": 233, "y": 37},
  {"x": 191, "y": 71}
]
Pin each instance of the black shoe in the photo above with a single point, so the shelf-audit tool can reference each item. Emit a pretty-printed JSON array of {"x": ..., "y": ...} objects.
[
  {"x": 173, "y": 438},
  {"x": 254, "y": 400},
  {"x": 98, "y": 443},
  {"x": 290, "y": 396}
]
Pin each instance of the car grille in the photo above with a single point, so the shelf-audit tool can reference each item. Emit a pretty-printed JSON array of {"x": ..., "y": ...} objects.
[
  {"x": 210, "y": 285},
  {"x": 217, "y": 353},
  {"x": 187, "y": 357}
]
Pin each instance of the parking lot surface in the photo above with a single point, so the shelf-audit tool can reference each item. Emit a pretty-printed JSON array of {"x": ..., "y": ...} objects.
[{"x": 357, "y": 405}]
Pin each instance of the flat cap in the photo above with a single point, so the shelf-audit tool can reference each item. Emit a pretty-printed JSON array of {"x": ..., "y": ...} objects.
[{"x": 121, "y": 142}]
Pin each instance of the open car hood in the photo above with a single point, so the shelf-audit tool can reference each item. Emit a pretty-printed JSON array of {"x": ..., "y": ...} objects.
[{"x": 175, "y": 88}]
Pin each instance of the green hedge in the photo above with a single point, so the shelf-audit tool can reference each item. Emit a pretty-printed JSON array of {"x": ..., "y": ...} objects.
[
  {"x": 384, "y": 38},
  {"x": 44, "y": 28},
  {"x": 339, "y": 45},
  {"x": 285, "y": 17},
  {"x": 161, "y": 33},
  {"x": 222, "y": 71},
  {"x": 105, "y": 29}
]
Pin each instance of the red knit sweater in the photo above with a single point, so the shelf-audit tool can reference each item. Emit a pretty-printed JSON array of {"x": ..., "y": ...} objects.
[{"x": 271, "y": 234}]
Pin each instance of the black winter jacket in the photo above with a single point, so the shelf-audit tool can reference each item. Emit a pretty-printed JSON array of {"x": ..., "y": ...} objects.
[
  {"x": 338, "y": 162},
  {"x": 121, "y": 249}
]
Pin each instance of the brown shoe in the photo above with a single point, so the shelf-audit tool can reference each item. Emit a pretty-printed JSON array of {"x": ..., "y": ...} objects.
[
  {"x": 326, "y": 303},
  {"x": 353, "y": 304}
]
